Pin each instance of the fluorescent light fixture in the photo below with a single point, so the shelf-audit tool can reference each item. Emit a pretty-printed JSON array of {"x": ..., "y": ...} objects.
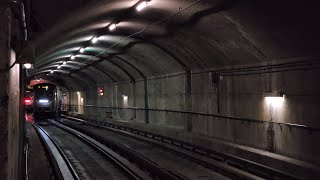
[
  {"x": 59, "y": 67},
  {"x": 142, "y": 5},
  {"x": 64, "y": 62},
  {"x": 43, "y": 101},
  {"x": 275, "y": 99},
  {"x": 94, "y": 39},
  {"x": 112, "y": 27},
  {"x": 73, "y": 57},
  {"x": 27, "y": 65},
  {"x": 81, "y": 50}
]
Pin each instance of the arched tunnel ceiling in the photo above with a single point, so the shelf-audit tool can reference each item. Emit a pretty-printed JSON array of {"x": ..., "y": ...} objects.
[{"x": 172, "y": 36}]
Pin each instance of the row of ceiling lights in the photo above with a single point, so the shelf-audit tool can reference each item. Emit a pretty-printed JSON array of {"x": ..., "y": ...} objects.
[{"x": 95, "y": 39}]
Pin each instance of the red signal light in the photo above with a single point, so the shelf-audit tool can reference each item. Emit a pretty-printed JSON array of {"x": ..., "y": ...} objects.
[
  {"x": 27, "y": 101},
  {"x": 101, "y": 91}
]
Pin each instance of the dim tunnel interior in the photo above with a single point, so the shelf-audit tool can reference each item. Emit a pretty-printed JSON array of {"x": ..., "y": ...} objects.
[
  {"x": 215, "y": 57},
  {"x": 207, "y": 72}
]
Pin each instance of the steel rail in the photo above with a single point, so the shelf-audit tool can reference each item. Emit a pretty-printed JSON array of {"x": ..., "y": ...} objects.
[
  {"x": 61, "y": 165},
  {"x": 231, "y": 160},
  {"x": 124, "y": 164},
  {"x": 149, "y": 166}
]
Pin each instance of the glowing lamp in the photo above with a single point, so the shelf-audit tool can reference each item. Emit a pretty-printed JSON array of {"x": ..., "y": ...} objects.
[
  {"x": 81, "y": 50},
  {"x": 112, "y": 27},
  {"x": 125, "y": 97},
  {"x": 43, "y": 101},
  {"x": 94, "y": 40},
  {"x": 27, "y": 66},
  {"x": 27, "y": 101},
  {"x": 51, "y": 71},
  {"x": 59, "y": 67},
  {"x": 64, "y": 62},
  {"x": 101, "y": 91},
  {"x": 142, "y": 5},
  {"x": 274, "y": 99},
  {"x": 73, "y": 57}
]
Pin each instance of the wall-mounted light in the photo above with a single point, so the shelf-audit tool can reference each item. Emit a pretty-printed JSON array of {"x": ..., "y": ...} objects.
[
  {"x": 81, "y": 50},
  {"x": 78, "y": 93},
  {"x": 142, "y": 5},
  {"x": 125, "y": 101},
  {"x": 73, "y": 57},
  {"x": 64, "y": 62},
  {"x": 125, "y": 97},
  {"x": 59, "y": 67},
  {"x": 112, "y": 27},
  {"x": 274, "y": 99},
  {"x": 94, "y": 39},
  {"x": 27, "y": 66},
  {"x": 51, "y": 71}
]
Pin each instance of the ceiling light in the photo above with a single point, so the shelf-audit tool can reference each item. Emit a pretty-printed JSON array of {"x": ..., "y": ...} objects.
[
  {"x": 27, "y": 65},
  {"x": 64, "y": 62},
  {"x": 51, "y": 71},
  {"x": 142, "y": 5},
  {"x": 94, "y": 40},
  {"x": 59, "y": 67},
  {"x": 112, "y": 27},
  {"x": 73, "y": 57},
  {"x": 81, "y": 50}
]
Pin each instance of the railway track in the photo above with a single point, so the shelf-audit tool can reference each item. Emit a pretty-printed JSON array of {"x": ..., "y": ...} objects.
[
  {"x": 176, "y": 162},
  {"x": 228, "y": 165},
  {"x": 155, "y": 170},
  {"x": 77, "y": 156}
]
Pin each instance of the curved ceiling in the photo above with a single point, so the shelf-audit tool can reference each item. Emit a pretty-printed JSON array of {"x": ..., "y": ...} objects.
[{"x": 172, "y": 36}]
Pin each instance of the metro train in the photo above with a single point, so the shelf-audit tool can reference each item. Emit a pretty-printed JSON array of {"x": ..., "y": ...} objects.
[{"x": 44, "y": 103}]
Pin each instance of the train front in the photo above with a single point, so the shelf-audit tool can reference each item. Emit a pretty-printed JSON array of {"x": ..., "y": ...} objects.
[{"x": 44, "y": 102}]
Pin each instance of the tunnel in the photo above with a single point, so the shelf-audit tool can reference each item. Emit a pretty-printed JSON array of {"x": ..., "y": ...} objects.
[{"x": 234, "y": 81}]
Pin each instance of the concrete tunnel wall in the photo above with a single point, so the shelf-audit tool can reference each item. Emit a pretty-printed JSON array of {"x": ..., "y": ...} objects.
[
  {"x": 10, "y": 124},
  {"x": 240, "y": 96}
]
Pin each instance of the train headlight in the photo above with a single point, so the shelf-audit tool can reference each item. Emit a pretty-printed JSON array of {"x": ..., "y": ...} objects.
[{"x": 43, "y": 101}]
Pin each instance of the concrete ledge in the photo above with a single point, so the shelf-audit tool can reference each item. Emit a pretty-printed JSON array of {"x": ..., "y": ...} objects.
[{"x": 296, "y": 167}]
